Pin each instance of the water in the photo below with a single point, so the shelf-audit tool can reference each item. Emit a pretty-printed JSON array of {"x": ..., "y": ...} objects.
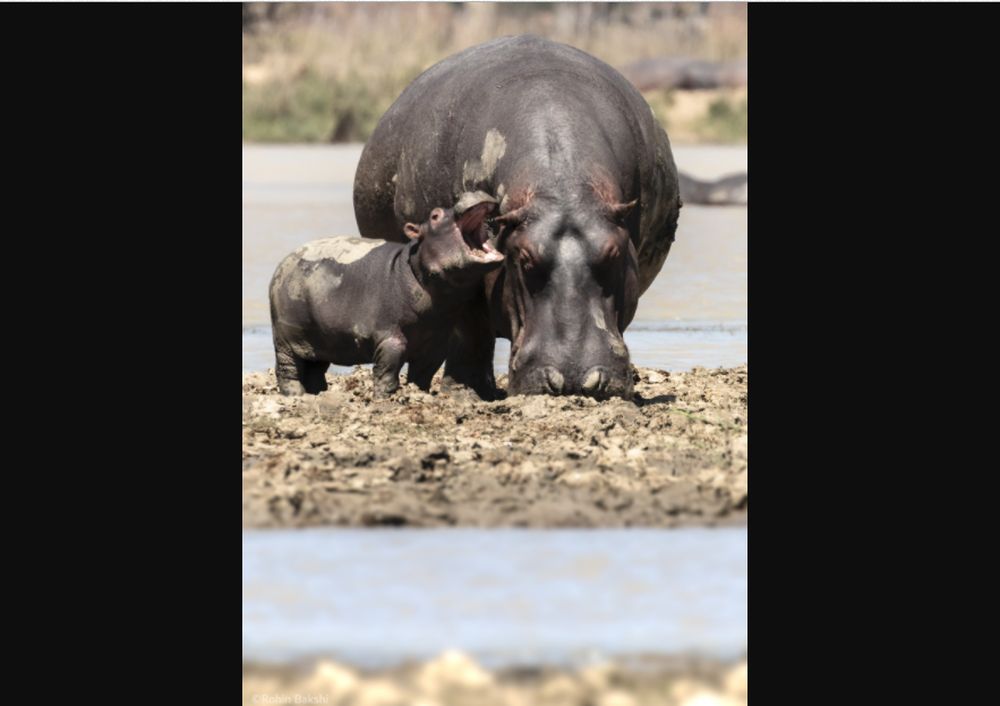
[
  {"x": 379, "y": 597},
  {"x": 668, "y": 345},
  {"x": 695, "y": 313}
]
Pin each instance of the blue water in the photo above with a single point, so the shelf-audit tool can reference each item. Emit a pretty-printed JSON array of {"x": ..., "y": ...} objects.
[
  {"x": 666, "y": 345},
  {"x": 379, "y": 597}
]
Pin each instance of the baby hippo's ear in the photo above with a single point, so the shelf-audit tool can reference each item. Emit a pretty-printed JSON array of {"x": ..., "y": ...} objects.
[{"x": 413, "y": 232}]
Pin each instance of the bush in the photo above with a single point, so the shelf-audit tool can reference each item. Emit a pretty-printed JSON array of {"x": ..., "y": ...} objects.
[{"x": 726, "y": 121}]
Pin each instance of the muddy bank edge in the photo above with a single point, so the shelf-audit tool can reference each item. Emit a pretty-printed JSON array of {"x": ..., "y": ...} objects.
[
  {"x": 675, "y": 455},
  {"x": 454, "y": 679}
]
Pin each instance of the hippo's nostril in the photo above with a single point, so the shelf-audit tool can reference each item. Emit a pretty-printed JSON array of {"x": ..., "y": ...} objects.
[
  {"x": 596, "y": 380},
  {"x": 554, "y": 380}
]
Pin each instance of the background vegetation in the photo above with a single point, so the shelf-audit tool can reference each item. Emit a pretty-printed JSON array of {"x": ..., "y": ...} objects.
[{"x": 325, "y": 72}]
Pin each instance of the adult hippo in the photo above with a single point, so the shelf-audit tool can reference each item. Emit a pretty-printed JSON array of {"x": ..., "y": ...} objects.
[
  {"x": 588, "y": 196},
  {"x": 727, "y": 190}
]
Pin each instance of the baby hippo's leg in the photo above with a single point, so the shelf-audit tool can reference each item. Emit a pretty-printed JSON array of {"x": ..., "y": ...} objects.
[
  {"x": 314, "y": 376},
  {"x": 422, "y": 370},
  {"x": 390, "y": 355},
  {"x": 288, "y": 370}
]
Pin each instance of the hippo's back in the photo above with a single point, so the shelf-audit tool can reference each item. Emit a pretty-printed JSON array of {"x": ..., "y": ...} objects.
[
  {"x": 328, "y": 285},
  {"x": 420, "y": 153}
]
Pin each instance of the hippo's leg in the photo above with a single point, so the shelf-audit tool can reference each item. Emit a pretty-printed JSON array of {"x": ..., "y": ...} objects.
[
  {"x": 421, "y": 371},
  {"x": 288, "y": 370},
  {"x": 470, "y": 351},
  {"x": 390, "y": 355},
  {"x": 314, "y": 376}
]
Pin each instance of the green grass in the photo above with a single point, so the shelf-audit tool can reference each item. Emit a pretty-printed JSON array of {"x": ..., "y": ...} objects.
[
  {"x": 726, "y": 121},
  {"x": 312, "y": 107},
  {"x": 661, "y": 102},
  {"x": 326, "y": 72}
]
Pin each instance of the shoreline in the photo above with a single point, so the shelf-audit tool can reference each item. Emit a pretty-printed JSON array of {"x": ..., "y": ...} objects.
[
  {"x": 674, "y": 456},
  {"x": 455, "y": 679}
]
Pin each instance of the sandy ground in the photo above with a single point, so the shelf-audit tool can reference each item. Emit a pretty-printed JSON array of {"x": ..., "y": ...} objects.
[
  {"x": 453, "y": 679},
  {"x": 675, "y": 455}
]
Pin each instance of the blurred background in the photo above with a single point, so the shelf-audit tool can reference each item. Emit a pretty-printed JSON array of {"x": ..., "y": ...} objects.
[
  {"x": 326, "y": 72},
  {"x": 602, "y": 617}
]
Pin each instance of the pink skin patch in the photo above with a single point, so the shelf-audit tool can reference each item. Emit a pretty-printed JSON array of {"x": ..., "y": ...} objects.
[
  {"x": 609, "y": 196},
  {"x": 604, "y": 189},
  {"x": 519, "y": 200}
]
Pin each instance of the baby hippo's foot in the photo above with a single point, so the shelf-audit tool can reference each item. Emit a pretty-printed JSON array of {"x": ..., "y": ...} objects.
[
  {"x": 389, "y": 355},
  {"x": 314, "y": 377},
  {"x": 385, "y": 386},
  {"x": 290, "y": 386},
  {"x": 483, "y": 387},
  {"x": 288, "y": 370}
]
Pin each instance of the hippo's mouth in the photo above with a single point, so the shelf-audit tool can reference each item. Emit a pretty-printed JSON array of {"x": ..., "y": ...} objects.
[{"x": 475, "y": 234}]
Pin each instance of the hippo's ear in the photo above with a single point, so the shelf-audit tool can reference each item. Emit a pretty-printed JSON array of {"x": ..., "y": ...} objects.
[
  {"x": 621, "y": 211},
  {"x": 413, "y": 232},
  {"x": 512, "y": 218}
]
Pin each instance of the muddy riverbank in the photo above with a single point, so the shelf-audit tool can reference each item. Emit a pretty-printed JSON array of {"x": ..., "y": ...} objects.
[
  {"x": 676, "y": 455},
  {"x": 453, "y": 679}
]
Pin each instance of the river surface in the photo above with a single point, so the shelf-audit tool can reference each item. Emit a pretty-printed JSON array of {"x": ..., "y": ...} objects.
[
  {"x": 510, "y": 596},
  {"x": 694, "y": 313}
]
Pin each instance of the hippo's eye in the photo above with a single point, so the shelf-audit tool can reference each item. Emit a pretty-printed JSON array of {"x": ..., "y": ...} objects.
[
  {"x": 604, "y": 264},
  {"x": 533, "y": 271},
  {"x": 608, "y": 254}
]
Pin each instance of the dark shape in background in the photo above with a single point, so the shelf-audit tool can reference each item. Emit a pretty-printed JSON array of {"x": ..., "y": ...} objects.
[{"x": 668, "y": 72}]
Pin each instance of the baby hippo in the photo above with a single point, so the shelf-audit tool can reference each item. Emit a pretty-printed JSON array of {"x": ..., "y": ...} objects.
[{"x": 354, "y": 300}]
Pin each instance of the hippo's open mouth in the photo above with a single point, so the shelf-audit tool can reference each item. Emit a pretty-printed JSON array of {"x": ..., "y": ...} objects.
[{"x": 476, "y": 235}]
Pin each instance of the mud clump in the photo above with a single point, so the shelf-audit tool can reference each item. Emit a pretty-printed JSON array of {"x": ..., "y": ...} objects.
[
  {"x": 674, "y": 455},
  {"x": 454, "y": 679}
]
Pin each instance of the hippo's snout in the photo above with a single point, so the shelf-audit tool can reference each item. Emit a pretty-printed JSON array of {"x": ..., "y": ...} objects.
[
  {"x": 599, "y": 381},
  {"x": 602, "y": 382},
  {"x": 596, "y": 380},
  {"x": 553, "y": 380}
]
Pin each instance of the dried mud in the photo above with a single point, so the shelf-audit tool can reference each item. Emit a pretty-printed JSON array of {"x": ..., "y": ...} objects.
[{"x": 675, "y": 455}]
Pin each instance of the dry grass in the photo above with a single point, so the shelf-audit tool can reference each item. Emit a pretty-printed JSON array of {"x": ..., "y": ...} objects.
[{"x": 327, "y": 71}]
